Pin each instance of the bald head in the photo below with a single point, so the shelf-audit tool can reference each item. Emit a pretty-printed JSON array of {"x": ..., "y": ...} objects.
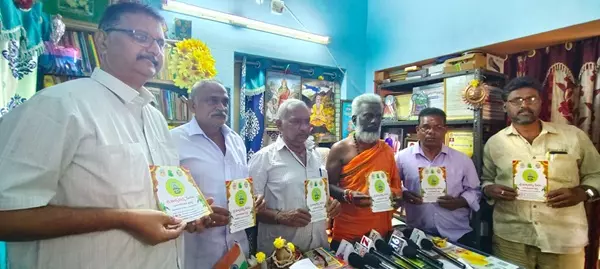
[
  {"x": 210, "y": 103},
  {"x": 203, "y": 85}
]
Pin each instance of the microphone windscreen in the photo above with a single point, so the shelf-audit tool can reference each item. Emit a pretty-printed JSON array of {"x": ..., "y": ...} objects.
[
  {"x": 356, "y": 260},
  {"x": 409, "y": 252},
  {"x": 382, "y": 247},
  {"x": 412, "y": 244},
  {"x": 371, "y": 260},
  {"x": 426, "y": 244},
  {"x": 407, "y": 232}
]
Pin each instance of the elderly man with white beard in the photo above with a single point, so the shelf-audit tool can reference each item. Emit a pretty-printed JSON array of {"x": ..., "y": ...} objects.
[{"x": 350, "y": 164}]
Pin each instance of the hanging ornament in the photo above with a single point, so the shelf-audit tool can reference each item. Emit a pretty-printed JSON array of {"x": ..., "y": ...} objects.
[
  {"x": 287, "y": 69},
  {"x": 475, "y": 94},
  {"x": 24, "y": 5},
  {"x": 58, "y": 29}
]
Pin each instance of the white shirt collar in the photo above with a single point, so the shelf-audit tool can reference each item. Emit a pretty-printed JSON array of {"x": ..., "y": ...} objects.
[
  {"x": 119, "y": 88},
  {"x": 193, "y": 128}
]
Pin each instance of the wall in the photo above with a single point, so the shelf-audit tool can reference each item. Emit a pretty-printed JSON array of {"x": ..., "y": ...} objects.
[
  {"x": 426, "y": 29},
  {"x": 344, "y": 23}
]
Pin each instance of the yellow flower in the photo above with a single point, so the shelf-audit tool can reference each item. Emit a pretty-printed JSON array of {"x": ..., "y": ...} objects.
[
  {"x": 279, "y": 242},
  {"x": 191, "y": 61},
  {"x": 260, "y": 257},
  {"x": 321, "y": 78},
  {"x": 474, "y": 83},
  {"x": 291, "y": 247}
]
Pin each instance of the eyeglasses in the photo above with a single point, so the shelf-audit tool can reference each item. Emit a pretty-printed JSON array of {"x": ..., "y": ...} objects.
[
  {"x": 435, "y": 128},
  {"x": 140, "y": 37},
  {"x": 531, "y": 100}
]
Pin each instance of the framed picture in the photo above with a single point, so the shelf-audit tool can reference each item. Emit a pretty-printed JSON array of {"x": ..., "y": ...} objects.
[
  {"x": 394, "y": 137},
  {"x": 82, "y": 10},
  {"x": 319, "y": 97},
  {"x": 279, "y": 87},
  {"x": 410, "y": 141},
  {"x": 346, "y": 124}
]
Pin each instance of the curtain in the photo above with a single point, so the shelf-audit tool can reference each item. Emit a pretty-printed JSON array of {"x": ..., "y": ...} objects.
[
  {"x": 18, "y": 74},
  {"x": 571, "y": 95},
  {"x": 21, "y": 34},
  {"x": 252, "y": 118}
]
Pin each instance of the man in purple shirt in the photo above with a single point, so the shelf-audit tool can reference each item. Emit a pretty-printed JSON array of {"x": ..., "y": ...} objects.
[{"x": 448, "y": 215}]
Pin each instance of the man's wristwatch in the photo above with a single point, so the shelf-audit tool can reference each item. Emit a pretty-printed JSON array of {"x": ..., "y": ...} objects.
[{"x": 592, "y": 194}]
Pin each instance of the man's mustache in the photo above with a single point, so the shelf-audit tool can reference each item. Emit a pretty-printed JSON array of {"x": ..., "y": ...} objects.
[
  {"x": 149, "y": 58},
  {"x": 219, "y": 113},
  {"x": 525, "y": 109}
]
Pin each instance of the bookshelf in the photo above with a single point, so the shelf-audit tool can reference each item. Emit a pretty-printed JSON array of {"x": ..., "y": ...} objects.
[
  {"x": 482, "y": 125},
  {"x": 78, "y": 43}
]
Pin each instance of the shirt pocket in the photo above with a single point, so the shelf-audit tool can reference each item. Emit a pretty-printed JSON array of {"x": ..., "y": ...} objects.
[
  {"x": 125, "y": 174},
  {"x": 563, "y": 171}
]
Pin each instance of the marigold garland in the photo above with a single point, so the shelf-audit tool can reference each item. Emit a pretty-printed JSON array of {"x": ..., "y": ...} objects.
[{"x": 191, "y": 61}]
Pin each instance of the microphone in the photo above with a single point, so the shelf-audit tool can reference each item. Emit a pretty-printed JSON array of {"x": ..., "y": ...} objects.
[
  {"x": 357, "y": 261},
  {"x": 373, "y": 261},
  {"x": 426, "y": 244},
  {"x": 382, "y": 247},
  {"x": 387, "y": 260},
  {"x": 424, "y": 256}
]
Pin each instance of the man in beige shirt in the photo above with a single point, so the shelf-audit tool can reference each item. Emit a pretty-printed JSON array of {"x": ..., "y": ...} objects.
[{"x": 550, "y": 234}]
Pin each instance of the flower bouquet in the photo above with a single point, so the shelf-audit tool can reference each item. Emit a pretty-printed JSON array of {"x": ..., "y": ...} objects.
[{"x": 191, "y": 61}]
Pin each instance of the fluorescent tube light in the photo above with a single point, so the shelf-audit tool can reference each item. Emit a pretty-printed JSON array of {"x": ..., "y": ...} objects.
[{"x": 212, "y": 15}]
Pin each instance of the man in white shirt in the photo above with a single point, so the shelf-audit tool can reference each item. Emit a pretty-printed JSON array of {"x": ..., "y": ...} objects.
[
  {"x": 279, "y": 171},
  {"x": 214, "y": 154},
  {"x": 76, "y": 190}
]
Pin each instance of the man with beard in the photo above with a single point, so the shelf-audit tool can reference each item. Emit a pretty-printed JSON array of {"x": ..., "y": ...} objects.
[
  {"x": 279, "y": 171},
  {"x": 76, "y": 189},
  {"x": 350, "y": 163},
  {"x": 539, "y": 234},
  {"x": 449, "y": 215},
  {"x": 214, "y": 154}
]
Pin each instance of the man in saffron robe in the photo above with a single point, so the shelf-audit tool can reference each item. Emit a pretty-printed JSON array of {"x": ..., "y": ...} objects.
[{"x": 349, "y": 164}]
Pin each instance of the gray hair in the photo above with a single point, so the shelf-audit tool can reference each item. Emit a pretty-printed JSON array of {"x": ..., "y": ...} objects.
[
  {"x": 367, "y": 98},
  {"x": 283, "y": 112},
  {"x": 201, "y": 85}
]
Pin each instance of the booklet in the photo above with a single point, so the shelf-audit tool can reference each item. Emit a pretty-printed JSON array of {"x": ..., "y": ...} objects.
[
  {"x": 433, "y": 183},
  {"x": 177, "y": 194},
  {"x": 240, "y": 203},
  {"x": 316, "y": 191},
  {"x": 530, "y": 179},
  {"x": 380, "y": 192}
]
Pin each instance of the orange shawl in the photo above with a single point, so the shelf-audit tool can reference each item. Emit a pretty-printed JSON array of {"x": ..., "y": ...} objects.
[{"x": 354, "y": 222}]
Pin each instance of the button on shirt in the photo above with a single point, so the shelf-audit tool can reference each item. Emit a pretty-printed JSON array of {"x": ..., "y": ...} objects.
[
  {"x": 85, "y": 143},
  {"x": 279, "y": 175},
  {"x": 461, "y": 180},
  {"x": 553, "y": 230},
  {"x": 210, "y": 169}
]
